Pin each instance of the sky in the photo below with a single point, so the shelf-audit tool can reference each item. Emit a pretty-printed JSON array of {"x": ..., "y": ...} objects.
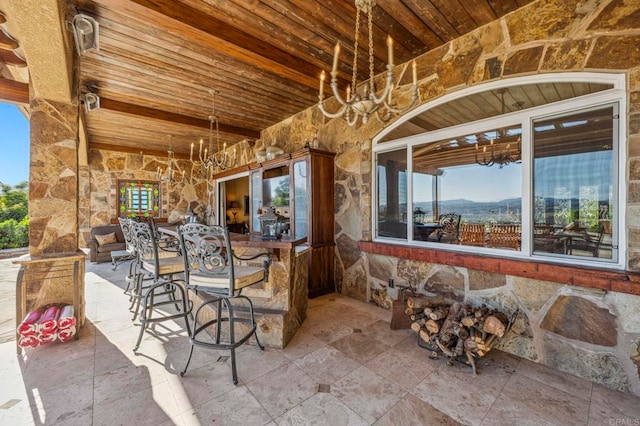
[{"x": 14, "y": 145}]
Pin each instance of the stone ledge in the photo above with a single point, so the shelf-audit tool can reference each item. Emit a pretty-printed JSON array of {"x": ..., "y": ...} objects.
[{"x": 603, "y": 279}]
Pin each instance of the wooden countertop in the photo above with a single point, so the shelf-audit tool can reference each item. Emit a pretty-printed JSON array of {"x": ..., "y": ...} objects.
[{"x": 242, "y": 240}]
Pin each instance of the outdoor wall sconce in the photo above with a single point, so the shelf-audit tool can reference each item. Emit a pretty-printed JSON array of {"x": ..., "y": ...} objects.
[{"x": 85, "y": 33}]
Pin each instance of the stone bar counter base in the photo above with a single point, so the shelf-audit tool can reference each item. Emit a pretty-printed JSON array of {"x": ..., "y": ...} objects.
[{"x": 280, "y": 304}]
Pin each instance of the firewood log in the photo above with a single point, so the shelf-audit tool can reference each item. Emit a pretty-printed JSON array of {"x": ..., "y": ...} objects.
[
  {"x": 446, "y": 331},
  {"x": 411, "y": 311},
  {"x": 425, "y": 301},
  {"x": 427, "y": 310},
  {"x": 445, "y": 350},
  {"x": 417, "y": 316},
  {"x": 472, "y": 361},
  {"x": 424, "y": 336},
  {"x": 493, "y": 325},
  {"x": 416, "y": 326},
  {"x": 468, "y": 321},
  {"x": 459, "y": 348},
  {"x": 432, "y": 326},
  {"x": 481, "y": 312},
  {"x": 439, "y": 313}
]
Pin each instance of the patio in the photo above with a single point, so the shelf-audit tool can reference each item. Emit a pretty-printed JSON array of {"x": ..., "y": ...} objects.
[{"x": 344, "y": 366}]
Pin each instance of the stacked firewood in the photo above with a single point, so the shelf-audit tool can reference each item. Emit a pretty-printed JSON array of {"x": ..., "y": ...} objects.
[{"x": 456, "y": 330}]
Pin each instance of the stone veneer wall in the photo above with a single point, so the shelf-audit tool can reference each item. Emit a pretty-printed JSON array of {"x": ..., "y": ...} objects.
[
  {"x": 98, "y": 187},
  {"x": 592, "y": 335}
]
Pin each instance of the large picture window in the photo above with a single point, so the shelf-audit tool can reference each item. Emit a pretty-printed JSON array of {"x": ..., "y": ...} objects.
[{"x": 542, "y": 182}]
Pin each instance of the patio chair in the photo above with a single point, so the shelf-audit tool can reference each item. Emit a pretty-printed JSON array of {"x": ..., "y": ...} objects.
[
  {"x": 505, "y": 236},
  {"x": 128, "y": 254},
  {"x": 164, "y": 288},
  {"x": 586, "y": 241},
  {"x": 209, "y": 268},
  {"x": 450, "y": 228},
  {"x": 472, "y": 234}
]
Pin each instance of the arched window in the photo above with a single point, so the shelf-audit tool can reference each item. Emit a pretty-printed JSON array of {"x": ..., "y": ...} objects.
[{"x": 528, "y": 167}]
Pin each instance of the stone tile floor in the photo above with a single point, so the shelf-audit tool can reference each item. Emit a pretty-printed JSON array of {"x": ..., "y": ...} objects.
[{"x": 344, "y": 367}]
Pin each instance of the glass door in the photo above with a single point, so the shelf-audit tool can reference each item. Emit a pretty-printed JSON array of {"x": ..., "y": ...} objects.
[{"x": 300, "y": 198}]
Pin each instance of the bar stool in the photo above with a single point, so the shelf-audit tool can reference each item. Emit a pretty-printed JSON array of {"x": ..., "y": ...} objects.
[
  {"x": 128, "y": 254},
  {"x": 160, "y": 271},
  {"x": 209, "y": 268}
]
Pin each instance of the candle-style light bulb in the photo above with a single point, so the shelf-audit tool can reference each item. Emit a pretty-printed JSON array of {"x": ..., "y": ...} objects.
[
  {"x": 390, "y": 49},
  {"x": 415, "y": 72},
  {"x": 336, "y": 53},
  {"x": 322, "y": 77},
  {"x": 348, "y": 93},
  {"x": 200, "y": 152},
  {"x": 191, "y": 153}
]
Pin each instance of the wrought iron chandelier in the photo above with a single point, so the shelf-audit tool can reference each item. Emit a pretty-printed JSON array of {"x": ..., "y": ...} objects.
[
  {"x": 492, "y": 155},
  {"x": 220, "y": 159},
  {"x": 361, "y": 104},
  {"x": 172, "y": 175}
]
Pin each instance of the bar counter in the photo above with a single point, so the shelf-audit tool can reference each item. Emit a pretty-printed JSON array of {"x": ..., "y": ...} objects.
[{"x": 280, "y": 303}]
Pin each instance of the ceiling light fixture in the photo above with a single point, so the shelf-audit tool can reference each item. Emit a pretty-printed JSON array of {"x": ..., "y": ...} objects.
[
  {"x": 492, "y": 155},
  {"x": 220, "y": 159},
  {"x": 361, "y": 104},
  {"x": 170, "y": 176}
]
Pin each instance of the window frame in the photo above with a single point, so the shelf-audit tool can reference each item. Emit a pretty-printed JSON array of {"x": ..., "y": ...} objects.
[
  {"x": 123, "y": 183},
  {"x": 616, "y": 95}
]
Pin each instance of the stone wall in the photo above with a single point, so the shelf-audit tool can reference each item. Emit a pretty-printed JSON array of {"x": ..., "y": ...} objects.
[
  {"x": 545, "y": 36},
  {"x": 98, "y": 187},
  {"x": 53, "y": 178}
]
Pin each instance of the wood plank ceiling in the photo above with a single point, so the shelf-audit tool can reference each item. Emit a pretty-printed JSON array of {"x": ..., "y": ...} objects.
[{"x": 158, "y": 60}]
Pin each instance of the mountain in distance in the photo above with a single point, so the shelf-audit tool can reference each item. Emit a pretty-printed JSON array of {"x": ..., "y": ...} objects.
[{"x": 507, "y": 210}]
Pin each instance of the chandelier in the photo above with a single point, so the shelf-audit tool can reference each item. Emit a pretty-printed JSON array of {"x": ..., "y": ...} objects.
[
  {"x": 490, "y": 153},
  {"x": 220, "y": 159},
  {"x": 362, "y": 104},
  {"x": 170, "y": 176}
]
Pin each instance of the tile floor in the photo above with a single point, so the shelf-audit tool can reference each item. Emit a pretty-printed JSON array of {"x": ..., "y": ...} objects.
[{"x": 344, "y": 367}]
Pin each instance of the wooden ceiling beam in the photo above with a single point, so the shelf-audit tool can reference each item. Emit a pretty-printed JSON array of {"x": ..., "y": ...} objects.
[
  {"x": 13, "y": 91},
  {"x": 136, "y": 150},
  {"x": 227, "y": 39},
  {"x": 155, "y": 114}
]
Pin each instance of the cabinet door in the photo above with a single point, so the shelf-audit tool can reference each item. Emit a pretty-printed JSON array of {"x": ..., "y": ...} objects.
[
  {"x": 256, "y": 200},
  {"x": 300, "y": 198}
]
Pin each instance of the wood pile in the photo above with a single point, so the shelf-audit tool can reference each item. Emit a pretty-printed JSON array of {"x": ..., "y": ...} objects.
[{"x": 457, "y": 331}]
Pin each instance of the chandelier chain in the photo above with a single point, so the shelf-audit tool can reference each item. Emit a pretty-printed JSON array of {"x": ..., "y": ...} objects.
[
  {"x": 354, "y": 74},
  {"x": 370, "y": 23}
]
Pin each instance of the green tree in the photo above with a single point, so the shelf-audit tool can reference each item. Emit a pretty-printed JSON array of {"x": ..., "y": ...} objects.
[{"x": 14, "y": 219}]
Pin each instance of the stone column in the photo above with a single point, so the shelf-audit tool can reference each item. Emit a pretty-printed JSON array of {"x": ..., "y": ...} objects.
[{"x": 53, "y": 178}]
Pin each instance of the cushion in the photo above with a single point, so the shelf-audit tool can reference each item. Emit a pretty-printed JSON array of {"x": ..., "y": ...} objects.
[
  {"x": 168, "y": 265},
  {"x": 106, "y": 239},
  {"x": 106, "y": 248},
  {"x": 244, "y": 276}
]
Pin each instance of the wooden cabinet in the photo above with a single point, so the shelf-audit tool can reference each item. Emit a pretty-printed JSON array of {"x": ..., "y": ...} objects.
[{"x": 308, "y": 207}]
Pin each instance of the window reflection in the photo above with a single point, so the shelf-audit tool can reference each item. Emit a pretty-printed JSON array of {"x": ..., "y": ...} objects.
[
  {"x": 467, "y": 190},
  {"x": 392, "y": 194},
  {"x": 573, "y": 184}
]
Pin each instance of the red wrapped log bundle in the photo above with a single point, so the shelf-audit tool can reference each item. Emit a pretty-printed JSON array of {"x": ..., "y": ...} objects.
[
  {"x": 30, "y": 341},
  {"x": 66, "y": 319},
  {"x": 44, "y": 338},
  {"x": 66, "y": 334},
  {"x": 49, "y": 320},
  {"x": 29, "y": 325}
]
